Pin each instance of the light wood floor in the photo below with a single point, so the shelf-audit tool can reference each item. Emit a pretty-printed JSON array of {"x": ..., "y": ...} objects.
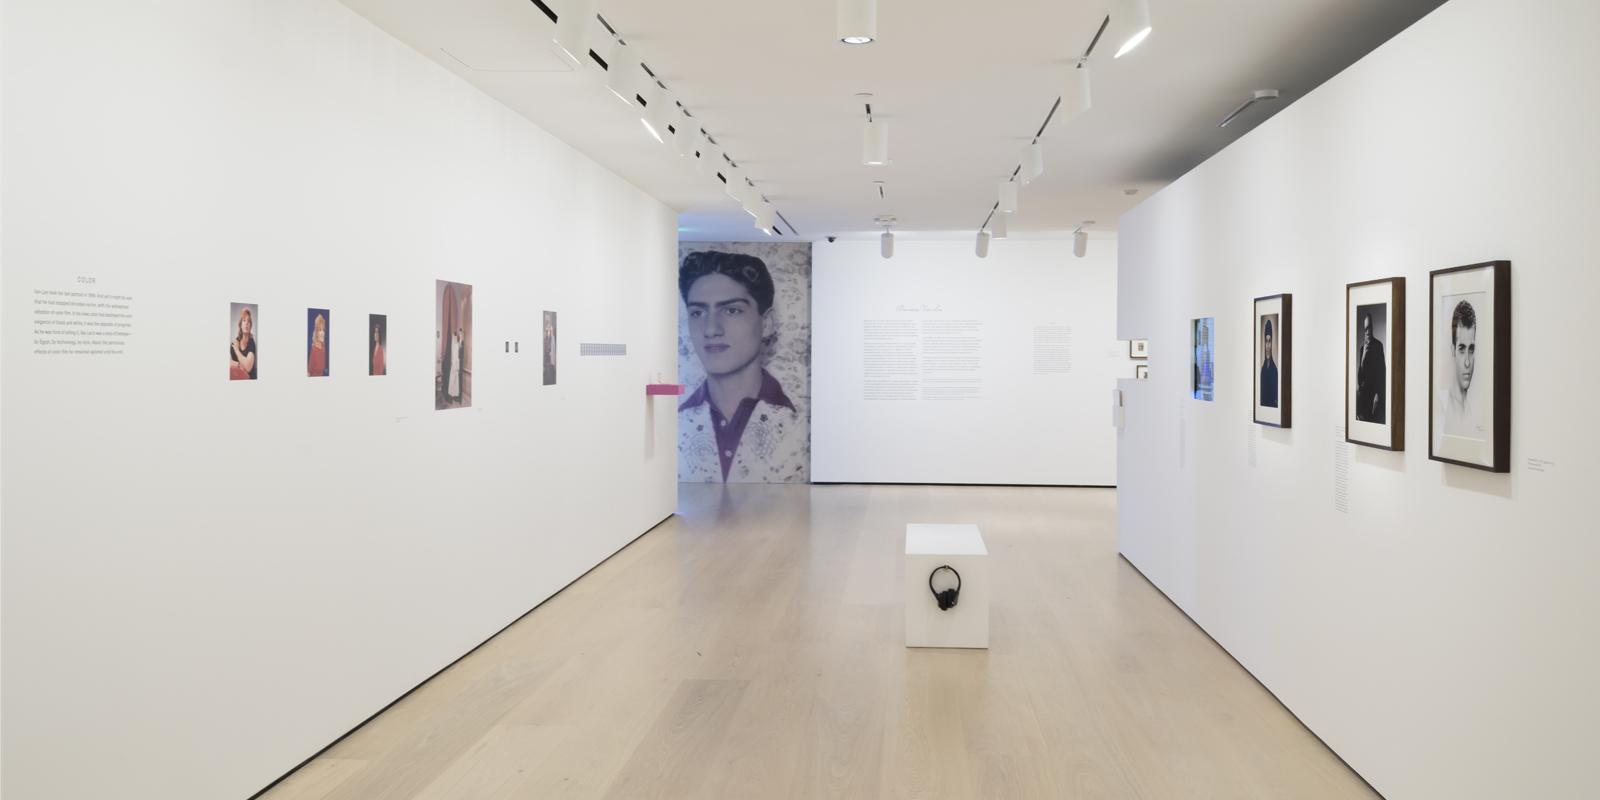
[{"x": 751, "y": 648}]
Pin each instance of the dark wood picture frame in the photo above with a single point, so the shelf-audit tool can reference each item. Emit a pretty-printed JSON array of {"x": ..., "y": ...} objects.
[
  {"x": 1134, "y": 351},
  {"x": 1500, "y": 437},
  {"x": 1397, "y": 363},
  {"x": 1283, "y": 337}
]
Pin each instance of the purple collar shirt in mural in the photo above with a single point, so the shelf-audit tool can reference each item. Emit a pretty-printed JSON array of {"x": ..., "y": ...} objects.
[{"x": 763, "y": 435}]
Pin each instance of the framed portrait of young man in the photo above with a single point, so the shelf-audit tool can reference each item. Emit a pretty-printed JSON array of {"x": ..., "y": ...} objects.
[
  {"x": 1272, "y": 396},
  {"x": 1469, "y": 370},
  {"x": 1375, "y": 363}
]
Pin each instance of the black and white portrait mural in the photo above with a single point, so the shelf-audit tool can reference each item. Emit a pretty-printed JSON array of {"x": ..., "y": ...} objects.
[{"x": 744, "y": 352}]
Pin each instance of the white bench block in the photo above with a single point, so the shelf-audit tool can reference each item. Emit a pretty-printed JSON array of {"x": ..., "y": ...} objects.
[{"x": 929, "y": 547}]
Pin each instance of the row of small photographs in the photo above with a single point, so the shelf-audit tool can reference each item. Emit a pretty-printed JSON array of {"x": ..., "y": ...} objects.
[
  {"x": 452, "y": 355},
  {"x": 244, "y": 322},
  {"x": 1469, "y": 363}
]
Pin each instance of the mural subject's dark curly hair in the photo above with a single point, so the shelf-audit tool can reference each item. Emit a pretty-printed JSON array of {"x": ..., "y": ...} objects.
[{"x": 749, "y": 271}]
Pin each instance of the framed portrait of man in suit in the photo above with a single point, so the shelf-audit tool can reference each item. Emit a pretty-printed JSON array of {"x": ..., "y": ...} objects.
[
  {"x": 1272, "y": 398},
  {"x": 1375, "y": 363}
]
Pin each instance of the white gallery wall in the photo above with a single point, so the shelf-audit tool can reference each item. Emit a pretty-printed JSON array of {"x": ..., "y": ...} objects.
[
  {"x": 1435, "y": 625},
  {"x": 936, "y": 366},
  {"x": 207, "y": 581}
]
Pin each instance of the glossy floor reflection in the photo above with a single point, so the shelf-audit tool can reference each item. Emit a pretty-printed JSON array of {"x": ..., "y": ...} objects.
[{"x": 751, "y": 648}]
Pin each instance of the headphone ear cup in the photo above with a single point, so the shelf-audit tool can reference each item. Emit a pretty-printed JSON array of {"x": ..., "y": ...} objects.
[{"x": 947, "y": 599}]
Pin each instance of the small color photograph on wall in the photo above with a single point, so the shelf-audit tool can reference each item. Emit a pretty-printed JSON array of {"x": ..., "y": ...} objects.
[
  {"x": 1202, "y": 335},
  {"x": 549, "y": 348},
  {"x": 317, "y": 342},
  {"x": 377, "y": 343},
  {"x": 452, "y": 351},
  {"x": 242, "y": 319}
]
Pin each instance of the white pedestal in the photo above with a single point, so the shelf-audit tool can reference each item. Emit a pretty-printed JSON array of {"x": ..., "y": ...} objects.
[{"x": 929, "y": 547}]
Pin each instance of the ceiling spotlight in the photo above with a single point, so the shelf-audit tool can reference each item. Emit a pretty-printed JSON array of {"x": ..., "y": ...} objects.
[
  {"x": 751, "y": 201},
  {"x": 1032, "y": 162},
  {"x": 1260, "y": 95},
  {"x": 710, "y": 158},
  {"x": 997, "y": 226},
  {"x": 1008, "y": 197},
  {"x": 663, "y": 110},
  {"x": 735, "y": 184},
  {"x": 1132, "y": 18},
  {"x": 1080, "y": 242},
  {"x": 1075, "y": 94},
  {"x": 766, "y": 219},
  {"x": 622, "y": 78},
  {"x": 983, "y": 244},
  {"x": 857, "y": 21},
  {"x": 572, "y": 31},
  {"x": 654, "y": 120},
  {"x": 886, "y": 246},
  {"x": 875, "y": 143},
  {"x": 688, "y": 135}
]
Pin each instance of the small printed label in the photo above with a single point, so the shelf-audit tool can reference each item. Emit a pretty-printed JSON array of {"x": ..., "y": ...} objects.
[{"x": 1341, "y": 472}]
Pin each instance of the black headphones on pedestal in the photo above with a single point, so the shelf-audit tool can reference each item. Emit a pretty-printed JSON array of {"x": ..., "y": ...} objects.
[{"x": 946, "y": 598}]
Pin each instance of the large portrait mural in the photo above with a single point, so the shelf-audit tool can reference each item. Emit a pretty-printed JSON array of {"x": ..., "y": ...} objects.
[{"x": 744, "y": 352}]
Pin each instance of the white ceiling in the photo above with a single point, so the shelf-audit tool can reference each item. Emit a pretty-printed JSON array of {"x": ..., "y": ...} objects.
[{"x": 963, "y": 86}]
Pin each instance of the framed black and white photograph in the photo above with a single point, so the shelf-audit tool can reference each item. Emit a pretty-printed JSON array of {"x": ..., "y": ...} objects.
[
  {"x": 1375, "y": 363},
  {"x": 1272, "y": 398},
  {"x": 1138, "y": 348},
  {"x": 1469, "y": 371}
]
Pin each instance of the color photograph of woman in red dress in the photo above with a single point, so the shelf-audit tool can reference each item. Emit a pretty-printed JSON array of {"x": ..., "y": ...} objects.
[
  {"x": 380, "y": 338},
  {"x": 317, "y": 342}
]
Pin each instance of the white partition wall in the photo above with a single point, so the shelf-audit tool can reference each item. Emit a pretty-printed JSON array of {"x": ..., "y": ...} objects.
[
  {"x": 1435, "y": 625},
  {"x": 936, "y": 366},
  {"x": 207, "y": 581}
]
